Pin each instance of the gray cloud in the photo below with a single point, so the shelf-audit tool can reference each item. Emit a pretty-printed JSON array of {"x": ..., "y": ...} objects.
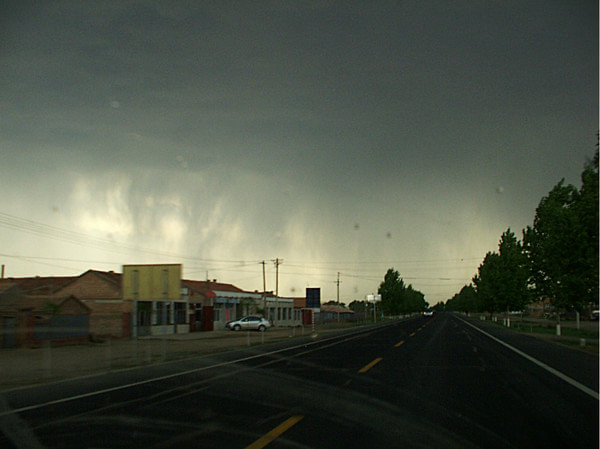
[{"x": 240, "y": 132}]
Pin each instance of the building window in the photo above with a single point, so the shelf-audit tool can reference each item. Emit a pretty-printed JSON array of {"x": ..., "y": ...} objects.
[
  {"x": 144, "y": 313},
  {"x": 217, "y": 314},
  {"x": 179, "y": 313},
  {"x": 161, "y": 313}
]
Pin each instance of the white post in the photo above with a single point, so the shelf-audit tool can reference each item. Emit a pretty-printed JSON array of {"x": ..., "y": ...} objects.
[{"x": 558, "y": 330}]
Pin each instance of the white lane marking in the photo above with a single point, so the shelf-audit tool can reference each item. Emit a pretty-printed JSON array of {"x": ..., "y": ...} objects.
[
  {"x": 16, "y": 430},
  {"x": 557, "y": 373},
  {"x": 352, "y": 336}
]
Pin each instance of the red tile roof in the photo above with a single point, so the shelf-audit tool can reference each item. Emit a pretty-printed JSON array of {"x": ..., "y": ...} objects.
[
  {"x": 203, "y": 286},
  {"x": 335, "y": 308},
  {"x": 39, "y": 285}
]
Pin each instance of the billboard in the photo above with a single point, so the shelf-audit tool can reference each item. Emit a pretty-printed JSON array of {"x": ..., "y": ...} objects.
[
  {"x": 152, "y": 282},
  {"x": 313, "y": 298}
]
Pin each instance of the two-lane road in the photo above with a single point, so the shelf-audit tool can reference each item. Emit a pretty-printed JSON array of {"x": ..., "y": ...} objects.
[{"x": 423, "y": 382}]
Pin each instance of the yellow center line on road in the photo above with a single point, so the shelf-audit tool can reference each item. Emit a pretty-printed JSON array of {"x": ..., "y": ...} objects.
[
  {"x": 276, "y": 432},
  {"x": 412, "y": 335},
  {"x": 367, "y": 367},
  {"x": 400, "y": 343}
]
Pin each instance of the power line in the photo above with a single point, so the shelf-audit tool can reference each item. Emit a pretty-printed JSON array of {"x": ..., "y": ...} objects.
[{"x": 60, "y": 234}]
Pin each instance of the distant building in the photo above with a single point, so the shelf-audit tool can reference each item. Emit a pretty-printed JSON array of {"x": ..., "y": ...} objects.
[
  {"x": 144, "y": 300},
  {"x": 280, "y": 311},
  {"x": 539, "y": 308},
  {"x": 334, "y": 312},
  {"x": 100, "y": 291},
  {"x": 28, "y": 316},
  {"x": 213, "y": 304},
  {"x": 154, "y": 293}
]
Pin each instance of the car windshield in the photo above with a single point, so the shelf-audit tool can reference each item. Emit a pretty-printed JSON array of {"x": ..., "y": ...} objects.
[{"x": 320, "y": 223}]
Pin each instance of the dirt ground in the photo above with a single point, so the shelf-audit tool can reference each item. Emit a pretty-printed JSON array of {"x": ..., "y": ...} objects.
[{"x": 50, "y": 362}]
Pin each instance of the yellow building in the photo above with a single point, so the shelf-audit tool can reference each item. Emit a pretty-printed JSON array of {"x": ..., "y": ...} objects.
[{"x": 155, "y": 291}]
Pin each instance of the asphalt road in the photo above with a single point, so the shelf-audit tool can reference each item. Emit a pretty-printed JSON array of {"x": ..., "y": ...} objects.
[{"x": 423, "y": 382}]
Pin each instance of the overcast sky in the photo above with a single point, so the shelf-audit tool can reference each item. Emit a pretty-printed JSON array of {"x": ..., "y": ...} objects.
[{"x": 339, "y": 136}]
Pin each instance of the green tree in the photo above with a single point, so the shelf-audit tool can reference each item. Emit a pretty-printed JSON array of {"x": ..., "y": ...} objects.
[
  {"x": 391, "y": 293},
  {"x": 414, "y": 300},
  {"x": 586, "y": 210},
  {"x": 515, "y": 293},
  {"x": 464, "y": 301},
  {"x": 439, "y": 307},
  {"x": 562, "y": 244},
  {"x": 502, "y": 279},
  {"x": 487, "y": 281},
  {"x": 358, "y": 306},
  {"x": 397, "y": 298}
]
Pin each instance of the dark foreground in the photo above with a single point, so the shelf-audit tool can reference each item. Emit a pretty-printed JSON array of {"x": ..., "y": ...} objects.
[{"x": 423, "y": 382}]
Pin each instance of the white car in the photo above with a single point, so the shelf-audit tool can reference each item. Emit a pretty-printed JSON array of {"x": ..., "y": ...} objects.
[
  {"x": 428, "y": 313},
  {"x": 251, "y": 322}
]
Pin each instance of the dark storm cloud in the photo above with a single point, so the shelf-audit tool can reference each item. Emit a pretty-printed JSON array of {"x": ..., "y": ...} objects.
[{"x": 407, "y": 117}]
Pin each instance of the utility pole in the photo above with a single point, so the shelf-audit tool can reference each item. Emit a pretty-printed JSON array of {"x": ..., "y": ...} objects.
[
  {"x": 277, "y": 262},
  {"x": 264, "y": 294},
  {"x": 338, "y": 296}
]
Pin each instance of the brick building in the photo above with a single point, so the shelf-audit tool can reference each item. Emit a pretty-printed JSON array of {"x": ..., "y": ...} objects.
[
  {"x": 101, "y": 291},
  {"x": 29, "y": 317}
]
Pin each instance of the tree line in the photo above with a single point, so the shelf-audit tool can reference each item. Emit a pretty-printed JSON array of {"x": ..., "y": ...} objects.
[
  {"x": 397, "y": 298},
  {"x": 556, "y": 259}
]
